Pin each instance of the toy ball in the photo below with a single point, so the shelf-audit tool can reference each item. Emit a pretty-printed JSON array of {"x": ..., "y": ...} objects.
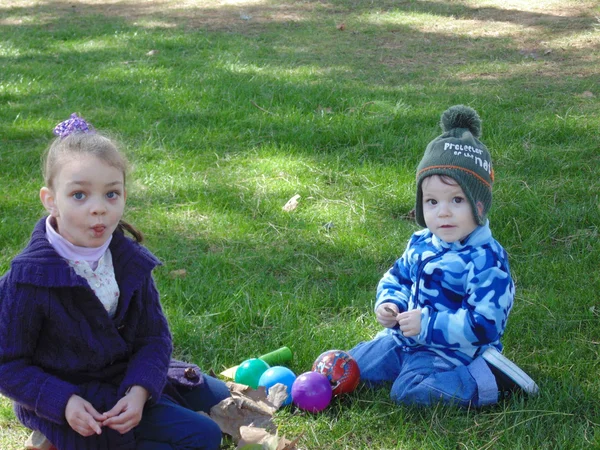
[
  {"x": 276, "y": 375},
  {"x": 311, "y": 392},
  {"x": 341, "y": 370},
  {"x": 250, "y": 371}
]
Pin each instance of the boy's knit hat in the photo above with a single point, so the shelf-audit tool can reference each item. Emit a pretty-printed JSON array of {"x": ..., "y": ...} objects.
[{"x": 458, "y": 154}]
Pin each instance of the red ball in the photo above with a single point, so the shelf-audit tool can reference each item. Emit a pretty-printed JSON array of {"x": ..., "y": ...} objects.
[{"x": 341, "y": 370}]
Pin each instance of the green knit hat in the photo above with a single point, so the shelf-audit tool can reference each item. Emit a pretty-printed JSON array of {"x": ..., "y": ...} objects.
[{"x": 458, "y": 154}]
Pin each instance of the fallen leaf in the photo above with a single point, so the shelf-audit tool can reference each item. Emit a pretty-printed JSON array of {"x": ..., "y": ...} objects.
[
  {"x": 257, "y": 438},
  {"x": 179, "y": 273},
  {"x": 587, "y": 94},
  {"x": 152, "y": 53},
  {"x": 292, "y": 203},
  {"x": 322, "y": 110},
  {"x": 245, "y": 407},
  {"x": 341, "y": 26}
]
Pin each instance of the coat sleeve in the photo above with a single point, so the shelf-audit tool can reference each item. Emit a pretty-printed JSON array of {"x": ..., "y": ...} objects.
[
  {"x": 482, "y": 317},
  {"x": 22, "y": 314},
  {"x": 152, "y": 345},
  {"x": 396, "y": 284}
]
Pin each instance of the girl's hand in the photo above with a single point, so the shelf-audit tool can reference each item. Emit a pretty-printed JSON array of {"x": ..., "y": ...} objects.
[
  {"x": 127, "y": 413},
  {"x": 387, "y": 314},
  {"x": 410, "y": 322},
  {"x": 82, "y": 417}
]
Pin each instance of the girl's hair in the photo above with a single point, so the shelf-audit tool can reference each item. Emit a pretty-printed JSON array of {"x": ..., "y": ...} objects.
[{"x": 86, "y": 143}]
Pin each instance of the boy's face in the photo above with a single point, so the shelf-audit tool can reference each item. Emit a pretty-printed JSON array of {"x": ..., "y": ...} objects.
[{"x": 446, "y": 209}]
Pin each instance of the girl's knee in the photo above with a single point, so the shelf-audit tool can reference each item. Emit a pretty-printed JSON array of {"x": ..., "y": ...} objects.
[
  {"x": 207, "y": 437},
  {"x": 212, "y": 439}
]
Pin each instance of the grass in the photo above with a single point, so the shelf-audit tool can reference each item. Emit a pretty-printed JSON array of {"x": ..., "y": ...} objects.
[{"x": 228, "y": 109}]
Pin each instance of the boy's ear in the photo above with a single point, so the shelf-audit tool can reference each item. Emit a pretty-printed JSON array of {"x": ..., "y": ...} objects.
[{"x": 47, "y": 198}]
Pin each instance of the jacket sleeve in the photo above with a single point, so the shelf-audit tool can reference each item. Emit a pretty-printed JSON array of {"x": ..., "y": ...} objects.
[
  {"x": 152, "y": 345},
  {"x": 396, "y": 284},
  {"x": 482, "y": 317},
  {"x": 21, "y": 319}
]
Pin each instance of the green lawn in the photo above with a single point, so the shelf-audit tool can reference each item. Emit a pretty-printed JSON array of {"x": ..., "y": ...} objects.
[{"x": 229, "y": 108}]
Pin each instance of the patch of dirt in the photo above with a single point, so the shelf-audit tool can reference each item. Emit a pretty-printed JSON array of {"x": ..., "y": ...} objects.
[
  {"x": 206, "y": 14},
  {"x": 557, "y": 34}
]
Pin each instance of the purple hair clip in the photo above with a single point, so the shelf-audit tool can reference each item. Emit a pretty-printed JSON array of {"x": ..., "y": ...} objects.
[{"x": 74, "y": 124}]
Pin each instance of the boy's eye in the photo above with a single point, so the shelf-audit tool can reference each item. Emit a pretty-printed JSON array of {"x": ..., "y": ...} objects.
[
  {"x": 112, "y": 195},
  {"x": 431, "y": 201},
  {"x": 458, "y": 199},
  {"x": 78, "y": 195}
]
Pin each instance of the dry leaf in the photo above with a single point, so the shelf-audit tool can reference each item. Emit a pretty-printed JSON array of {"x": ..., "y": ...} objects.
[
  {"x": 179, "y": 273},
  {"x": 152, "y": 53},
  {"x": 253, "y": 437},
  {"x": 277, "y": 395},
  {"x": 247, "y": 416},
  {"x": 292, "y": 203},
  {"x": 245, "y": 407},
  {"x": 341, "y": 26},
  {"x": 587, "y": 94}
]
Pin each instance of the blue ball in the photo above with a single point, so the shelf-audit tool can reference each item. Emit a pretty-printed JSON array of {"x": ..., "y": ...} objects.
[{"x": 278, "y": 374}]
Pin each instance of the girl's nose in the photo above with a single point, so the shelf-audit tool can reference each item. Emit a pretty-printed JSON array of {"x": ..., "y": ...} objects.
[{"x": 98, "y": 208}]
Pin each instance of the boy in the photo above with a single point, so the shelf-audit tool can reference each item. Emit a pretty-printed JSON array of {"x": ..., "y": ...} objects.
[{"x": 446, "y": 301}]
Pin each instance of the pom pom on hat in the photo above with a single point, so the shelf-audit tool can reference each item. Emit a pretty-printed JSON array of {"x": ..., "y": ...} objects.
[
  {"x": 459, "y": 154},
  {"x": 461, "y": 116}
]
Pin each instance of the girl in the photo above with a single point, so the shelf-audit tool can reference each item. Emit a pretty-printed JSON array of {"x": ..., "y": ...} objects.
[{"x": 85, "y": 348}]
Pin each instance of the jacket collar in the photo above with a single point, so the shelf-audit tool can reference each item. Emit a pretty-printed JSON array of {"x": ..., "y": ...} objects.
[
  {"x": 40, "y": 264},
  {"x": 480, "y": 236}
]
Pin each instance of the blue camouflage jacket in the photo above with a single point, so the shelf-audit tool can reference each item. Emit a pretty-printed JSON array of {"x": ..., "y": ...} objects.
[{"x": 464, "y": 288}]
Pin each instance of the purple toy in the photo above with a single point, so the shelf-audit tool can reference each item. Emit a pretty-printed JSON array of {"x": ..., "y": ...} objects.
[{"x": 312, "y": 392}]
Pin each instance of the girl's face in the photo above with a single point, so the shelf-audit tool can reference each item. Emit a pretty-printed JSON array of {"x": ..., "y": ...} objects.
[
  {"x": 87, "y": 200},
  {"x": 446, "y": 210}
]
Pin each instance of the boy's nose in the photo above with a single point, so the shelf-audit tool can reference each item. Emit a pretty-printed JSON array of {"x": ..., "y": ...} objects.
[{"x": 443, "y": 210}]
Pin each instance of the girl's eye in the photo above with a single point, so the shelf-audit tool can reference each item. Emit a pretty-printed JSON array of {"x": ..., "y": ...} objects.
[
  {"x": 458, "y": 199},
  {"x": 112, "y": 195},
  {"x": 78, "y": 195},
  {"x": 432, "y": 201}
]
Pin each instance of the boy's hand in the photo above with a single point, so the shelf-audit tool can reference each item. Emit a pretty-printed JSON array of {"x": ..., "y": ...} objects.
[
  {"x": 127, "y": 413},
  {"x": 83, "y": 417},
  {"x": 387, "y": 314},
  {"x": 410, "y": 322}
]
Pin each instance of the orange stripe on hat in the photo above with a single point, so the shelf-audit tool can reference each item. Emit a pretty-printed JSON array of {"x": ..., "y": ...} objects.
[{"x": 470, "y": 172}]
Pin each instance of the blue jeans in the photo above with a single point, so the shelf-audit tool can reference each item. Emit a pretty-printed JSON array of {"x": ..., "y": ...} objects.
[
  {"x": 167, "y": 425},
  {"x": 422, "y": 377}
]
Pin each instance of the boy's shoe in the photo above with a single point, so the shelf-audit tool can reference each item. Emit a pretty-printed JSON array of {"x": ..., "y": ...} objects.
[{"x": 509, "y": 377}]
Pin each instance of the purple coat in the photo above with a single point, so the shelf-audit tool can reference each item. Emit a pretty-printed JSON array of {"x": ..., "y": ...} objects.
[{"x": 56, "y": 339}]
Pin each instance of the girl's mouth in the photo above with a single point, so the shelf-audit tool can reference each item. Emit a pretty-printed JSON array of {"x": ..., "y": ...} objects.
[{"x": 98, "y": 229}]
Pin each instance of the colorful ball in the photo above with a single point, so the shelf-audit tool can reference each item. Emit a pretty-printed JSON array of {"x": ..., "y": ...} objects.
[
  {"x": 312, "y": 392},
  {"x": 250, "y": 371},
  {"x": 276, "y": 375},
  {"x": 341, "y": 370}
]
